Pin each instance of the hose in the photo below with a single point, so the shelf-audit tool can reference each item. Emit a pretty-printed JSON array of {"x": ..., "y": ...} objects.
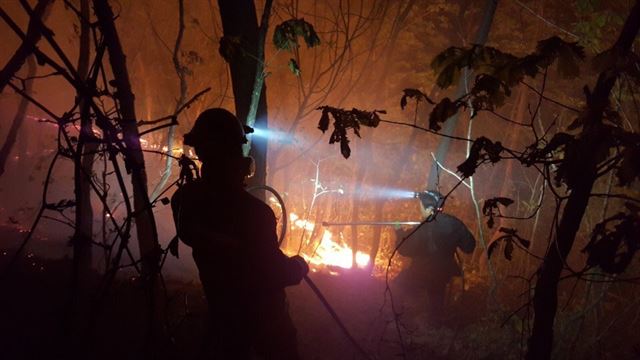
[
  {"x": 285, "y": 222},
  {"x": 307, "y": 279}
]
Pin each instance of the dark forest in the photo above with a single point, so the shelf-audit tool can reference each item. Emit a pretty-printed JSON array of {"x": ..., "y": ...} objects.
[{"x": 335, "y": 179}]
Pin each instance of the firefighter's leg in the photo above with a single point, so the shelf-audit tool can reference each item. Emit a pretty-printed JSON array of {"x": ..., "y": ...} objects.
[
  {"x": 435, "y": 299},
  {"x": 277, "y": 339}
]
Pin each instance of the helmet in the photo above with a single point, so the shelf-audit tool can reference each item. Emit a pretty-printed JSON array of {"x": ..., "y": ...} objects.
[
  {"x": 217, "y": 129},
  {"x": 430, "y": 199}
]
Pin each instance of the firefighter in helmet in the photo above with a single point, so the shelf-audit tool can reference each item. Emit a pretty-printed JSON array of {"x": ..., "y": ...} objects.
[
  {"x": 432, "y": 249},
  {"x": 234, "y": 243}
]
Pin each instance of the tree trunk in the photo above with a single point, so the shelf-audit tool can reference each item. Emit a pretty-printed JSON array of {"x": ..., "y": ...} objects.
[
  {"x": 83, "y": 162},
  {"x": 11, "y": 68},
  {"x": 145, "y": 222},
  {"x": 451, "y": 123},
  {"x": 239, "y": 21},
  {"x": 545, "y": 300}
]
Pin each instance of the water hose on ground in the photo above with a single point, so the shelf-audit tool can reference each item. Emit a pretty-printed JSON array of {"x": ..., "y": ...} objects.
[{"x": 307, "y": 279}]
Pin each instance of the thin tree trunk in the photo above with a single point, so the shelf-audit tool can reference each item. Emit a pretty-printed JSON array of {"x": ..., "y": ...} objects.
[
  {"x": 451, "y": 123},
  {"x": 26, "y": 48},
  {"x": 83, "y": 163},
  {"x": 239, "y": 21},
  {"x": 18, "y": 119},
  {"x": 12, "y": 67},
  {"x": 145, "y": 222},
  {"x": 545, "y": 300}
]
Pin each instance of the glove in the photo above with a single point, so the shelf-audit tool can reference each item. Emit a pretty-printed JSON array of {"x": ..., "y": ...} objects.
[{"x": 302, "y": 263}]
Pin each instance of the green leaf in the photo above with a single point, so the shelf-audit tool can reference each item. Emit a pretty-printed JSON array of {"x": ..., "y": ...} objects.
[{"x": 293, "y": 66}]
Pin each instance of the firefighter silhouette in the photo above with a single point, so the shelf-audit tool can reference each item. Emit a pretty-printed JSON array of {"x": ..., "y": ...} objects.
[
  {"x": 432, "y": 249},
  {"x": 234, "y": 243}
]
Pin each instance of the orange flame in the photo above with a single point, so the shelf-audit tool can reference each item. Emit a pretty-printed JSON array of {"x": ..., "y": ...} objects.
[{"x": 330, "y": 252}]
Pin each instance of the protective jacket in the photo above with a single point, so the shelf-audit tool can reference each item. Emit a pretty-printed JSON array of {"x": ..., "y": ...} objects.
[
  {"x": 433, "y": 245},
  {"x": 243, "y": 272}
]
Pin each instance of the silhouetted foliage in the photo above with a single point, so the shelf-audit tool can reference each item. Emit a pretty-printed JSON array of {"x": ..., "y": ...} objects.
[
  {"x": 482, "y": 151},
  {"x": 414, "y": 94},
  {"x": 615, "y": 241},
  {"x": 344, "y": 120},
  {"x": 597, "y": 146},
  {"x": 490, "y": 208},
  {"x": 510, "y": 239},
  {"x": 285, "y": 36}
]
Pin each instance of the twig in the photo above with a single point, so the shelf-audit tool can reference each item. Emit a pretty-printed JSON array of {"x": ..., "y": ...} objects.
[
  {"x": 549, "y": 99},
  {"x": 545, "y": 20},
  {"x": 175, "y": 115},
  {"x": 449, "y": 171},
  {"x": 426, "y": 129}
]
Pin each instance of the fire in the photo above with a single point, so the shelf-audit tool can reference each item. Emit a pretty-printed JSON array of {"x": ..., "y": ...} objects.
[
  {"x": 332, "y": 253},
  {"x": 329, "y": 252}
]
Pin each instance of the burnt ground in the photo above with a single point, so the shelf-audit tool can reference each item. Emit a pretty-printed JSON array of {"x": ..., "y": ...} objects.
[
  {"x": 34, "y": 317},
  {"x": 34, "y": 308}
]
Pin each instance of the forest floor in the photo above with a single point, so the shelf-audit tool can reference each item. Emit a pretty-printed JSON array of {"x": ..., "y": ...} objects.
[{"x": 34, "y": 316}]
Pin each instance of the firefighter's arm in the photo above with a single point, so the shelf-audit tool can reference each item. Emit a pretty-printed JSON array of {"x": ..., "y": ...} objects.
[
  {"x": 410, "y": 241},
  {"x": 466, "y": 241},
  {"x": 273, "y": 268}
]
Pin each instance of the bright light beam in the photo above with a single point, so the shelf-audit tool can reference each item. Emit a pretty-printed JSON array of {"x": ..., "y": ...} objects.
[
  {"x": 388, "y": 193},
  {"x": 272, "y": 135}
]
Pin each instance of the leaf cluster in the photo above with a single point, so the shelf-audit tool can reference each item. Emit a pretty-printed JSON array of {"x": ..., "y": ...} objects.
[
  {"x": 230, "y": 47},
  {"x": 497, "y": 73},
  {"x": 344, "y": 120},
  {"x": 567, "y": 151},
  {"x": 511, "y": 239},
  {"x": 414, "y": 94},
  {"x": 285, "y": 36},
  {"x": 491, "y": 209},
  {"x": 505, "y": 67},
  {"x": 615, "y": 241},
  {"x": 482, "y": 151}
]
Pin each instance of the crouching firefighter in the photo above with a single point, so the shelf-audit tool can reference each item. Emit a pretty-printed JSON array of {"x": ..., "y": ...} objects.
[
  {"x": 432, "y": 249},
  {"x": 234, "y": 242}
]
